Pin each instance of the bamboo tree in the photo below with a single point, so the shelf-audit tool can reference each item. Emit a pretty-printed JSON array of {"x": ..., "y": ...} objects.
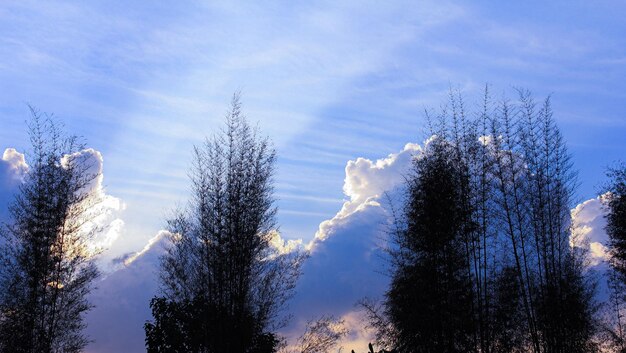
[
  {"x": 514, "y": 180},
  {"x": 220, "y": 260},
  {"x": 48, "y": 267}
]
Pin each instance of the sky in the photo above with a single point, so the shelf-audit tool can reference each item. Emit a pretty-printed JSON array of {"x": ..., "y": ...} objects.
[{"x": 340, "y": 88}]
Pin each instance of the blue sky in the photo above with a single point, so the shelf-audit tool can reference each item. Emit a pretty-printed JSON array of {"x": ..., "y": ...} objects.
[{"x": 329, "y": 82}]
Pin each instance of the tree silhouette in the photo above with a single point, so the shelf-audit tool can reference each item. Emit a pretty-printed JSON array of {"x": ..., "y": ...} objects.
[
  {"x": 221, "y": 262},
  {"x": 47, "y": 268},
  {"x": 483, "y": 258},
  {"x": 429, "y": 300},
  {"x": 535, "y": 184},
  {"x": 616, "y": 218}
]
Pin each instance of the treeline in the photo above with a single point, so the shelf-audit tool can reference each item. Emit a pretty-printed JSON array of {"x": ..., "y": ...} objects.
[{"x": 482, "y": 252}]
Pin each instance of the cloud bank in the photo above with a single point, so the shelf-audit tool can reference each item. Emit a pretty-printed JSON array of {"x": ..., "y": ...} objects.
[
  {"x": 122, "y": 301},
  {"x": 347, "y": 261}
]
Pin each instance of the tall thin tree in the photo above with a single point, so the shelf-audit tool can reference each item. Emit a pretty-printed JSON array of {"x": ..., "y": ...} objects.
[
  {"x": 47, "y": 263},
  {"x": 536, "y": 183},
  {"x": 221, "y": 260}
]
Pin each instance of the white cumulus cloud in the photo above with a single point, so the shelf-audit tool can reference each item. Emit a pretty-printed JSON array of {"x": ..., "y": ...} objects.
[
  {"x": 13, "y": 168},
  {"x": 588, "y": 223},
  {"x": 346, "y": 260},
  {"x": 365, "y": 182},
  {"x": 285, "y": 246},
  {"x": 106, "y": 215},
  {"x": 14, "y": 164}
]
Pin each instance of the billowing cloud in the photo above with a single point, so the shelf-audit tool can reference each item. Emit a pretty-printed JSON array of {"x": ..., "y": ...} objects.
[
  {"x": 347, "y": 261},
  {"x": 13, "y": 164},
  {"x": 284, "y": 246},
  {"x": 365, "y": 182},
  {"x": 588, "y": 223},
  {"x": 154, "y": 244},
  {"x": 13, "y": 168},
  {"x": 105, "y": 216},
  {"x": 589, "y": 234},
  {"x": 367, "y": 179}
]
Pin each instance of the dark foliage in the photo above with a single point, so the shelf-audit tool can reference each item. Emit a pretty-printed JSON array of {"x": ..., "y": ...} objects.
[
  {"x": 182, "y": 327},
  {"x": 175, "y": 327},
  {"x": 535, "y": 183},
  {"x": 508, "y": 329},
  {"x": 429, "y": 301},
  {"x": 321, "y": 335},
  {"x": 616, "y": 218}
]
